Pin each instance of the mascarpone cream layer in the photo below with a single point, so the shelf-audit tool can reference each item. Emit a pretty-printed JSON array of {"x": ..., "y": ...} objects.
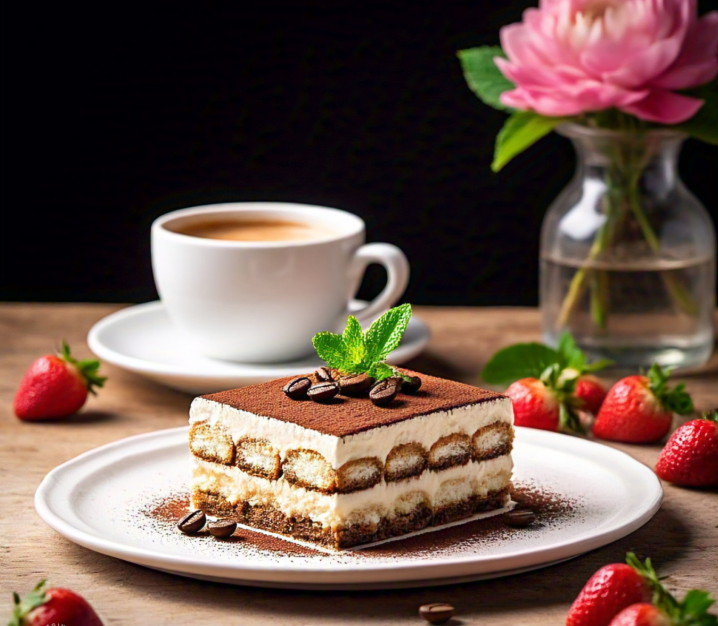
[
  {"x": 441, "y": 488},
  {"x": 378, "y": 442}
]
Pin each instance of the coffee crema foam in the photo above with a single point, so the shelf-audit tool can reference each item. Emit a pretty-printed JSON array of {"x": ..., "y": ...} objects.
[{"x": 253, "y": 230}]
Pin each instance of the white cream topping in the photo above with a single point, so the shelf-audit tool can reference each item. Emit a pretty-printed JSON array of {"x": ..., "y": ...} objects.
[
  {"x": 440, "y": 488},
  {"x": 378, "y": 442}
]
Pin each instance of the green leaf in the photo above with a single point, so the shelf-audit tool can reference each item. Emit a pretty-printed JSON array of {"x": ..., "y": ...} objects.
[
  {"x": 353, "y": 337},
  {"x": 696, "y": 603},
  {"x": 330, "y": 348},
  {"x": 597, "y": 365},
  {"x": 384, "y": 335},
  {"x": 522, "y": 360},
  {"x": 572, "y": 356},
  {"x": 521, "y": 130},
  {"x": 676, "y": 399},
  {"x": 704, "y": 124},
  {"x": 483, "y": 76},
  {"x": 381, "y": 371}
]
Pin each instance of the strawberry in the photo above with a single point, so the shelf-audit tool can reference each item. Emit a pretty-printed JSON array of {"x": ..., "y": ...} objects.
[
  {"x": 591, "y": 392},
  {"x": 56, "y": 386},
  {"x": 642, "y": 614},
  {"x": 535, "y": 405},
  {"x": 639, "y": 409},
  {"x": 610, "y": 590},
  {"x": 42, "y": 607},
  {"x": 690, "y": 456}
]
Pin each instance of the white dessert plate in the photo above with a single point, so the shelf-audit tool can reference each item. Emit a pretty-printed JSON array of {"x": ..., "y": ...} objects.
[
  {"x": 102, "y": 500},
  {"x": 143, "y": 340}
]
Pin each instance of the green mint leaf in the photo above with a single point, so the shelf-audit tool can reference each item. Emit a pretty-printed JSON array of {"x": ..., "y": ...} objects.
[
  {"x": 331, "y": 349},
  {"x": 380, "y": 371},
  {"x": 384, "y": 335},
  {"x": 696, "y": 603},
  {"x": 522, "y": 360},
  {"x": 353, "y": 337},
  {"x": 571, "y": 355},
  {"x": 521, "y": 131},
  {"x": 483, "y": 76},
  {"x": 704, "y": 124}
]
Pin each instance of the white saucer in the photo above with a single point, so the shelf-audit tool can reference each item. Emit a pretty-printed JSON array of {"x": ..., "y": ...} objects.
[
  {"x": 143, "y": 340},
  {"x": 101, "y": 499}
]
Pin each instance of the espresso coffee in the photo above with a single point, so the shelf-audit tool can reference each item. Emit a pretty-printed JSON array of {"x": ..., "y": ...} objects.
[{"x": 253, "y": 230}]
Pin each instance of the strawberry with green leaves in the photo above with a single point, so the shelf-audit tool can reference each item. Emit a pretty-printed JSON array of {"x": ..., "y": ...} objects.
[
  {"x": 631, "y": 594},
  {"x": 639, "y": 409},
  {"x": 358, "y": 352},
  {"x": 548, "y": 388},
  {"x": 690, "y": 457},
  {"x": 56, "y": 385},
  {"x": 42, "y": 607}
]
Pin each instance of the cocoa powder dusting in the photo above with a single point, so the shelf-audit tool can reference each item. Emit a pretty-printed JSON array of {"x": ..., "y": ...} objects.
[{"x": 550, "y": 509}]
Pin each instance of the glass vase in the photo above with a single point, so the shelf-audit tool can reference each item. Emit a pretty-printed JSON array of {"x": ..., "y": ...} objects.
[{"x": 628, "y": 253}]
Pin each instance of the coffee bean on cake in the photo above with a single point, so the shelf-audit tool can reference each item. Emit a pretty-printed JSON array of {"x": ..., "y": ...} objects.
[
  {"x": 323, "y": 392},
  {"x": 384, "y": 392},
  {"x": 355, "y": 386},
  {"x": 437, "y": 613},
  {"x": 297, "y": 389},
  {"x": 519, "y": 518},
  {"x": 192, "y": 523},
  {"x": 324, "y": 375},
  {"x": 222, "y": 529}
]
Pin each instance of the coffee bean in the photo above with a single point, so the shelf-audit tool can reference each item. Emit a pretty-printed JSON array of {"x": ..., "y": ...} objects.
[
  {"x": 222, "y": 528},
  {"x": 192, "y": 523},
  {"x": 411, "y": 386},
  {"x": 384, "y": 392},
  {"x": 323, "y": 392},
  {"x": 437, "y": 613},
  {"x": 356, "y": 385},
  {"x": 297, "y": 389},
  {"x": 519, "y": 518},
  {"x": 324, "y": 375}
]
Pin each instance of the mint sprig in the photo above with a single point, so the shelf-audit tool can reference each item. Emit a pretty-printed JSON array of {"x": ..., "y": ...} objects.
[
  {"x": 531, "y": 360},
  {"x": 359, "y": 352}
]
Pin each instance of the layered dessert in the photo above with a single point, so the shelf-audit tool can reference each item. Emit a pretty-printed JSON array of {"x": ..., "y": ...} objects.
[{"x": 348, "y": 472}]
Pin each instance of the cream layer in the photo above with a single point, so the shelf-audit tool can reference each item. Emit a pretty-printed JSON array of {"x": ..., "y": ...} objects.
[
  {"x": 376, "y": 442},
  {"x": 439, "y": 489}
]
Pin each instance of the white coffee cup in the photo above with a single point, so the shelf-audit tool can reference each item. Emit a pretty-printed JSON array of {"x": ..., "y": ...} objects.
[{"x": 263, "y": 301}]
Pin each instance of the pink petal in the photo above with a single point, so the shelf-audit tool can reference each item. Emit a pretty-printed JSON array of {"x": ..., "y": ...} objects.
[
  {"x": 664, "y": 107},
  {"x": 644, "y": 65},
  {"x": 697, "y": 63}
]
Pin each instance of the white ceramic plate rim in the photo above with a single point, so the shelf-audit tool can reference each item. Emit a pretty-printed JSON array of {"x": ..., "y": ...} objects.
[
  {"x": 632, "y": 472},
  {"x": 96, "y": 343}
]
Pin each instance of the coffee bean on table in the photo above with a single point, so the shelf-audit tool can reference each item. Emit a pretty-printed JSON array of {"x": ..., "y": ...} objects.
[
  {"x": 222, "y": 528},
  {"x": 384, "y": 392},
  {"x": 297, "y": 389},
  {"x": 324, "y": 375},
  {"x": 192, "y": 523},
  {"x": 437, "y": 613},
  {"x": 519, "y": 518},
  {"x": 411, "y": 386},
  {"x": 356, "y": 385},
  {"x": 323, "y": 392}
]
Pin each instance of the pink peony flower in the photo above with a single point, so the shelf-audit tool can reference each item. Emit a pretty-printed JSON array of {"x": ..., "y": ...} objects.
[{"x": 573, "y": 56}]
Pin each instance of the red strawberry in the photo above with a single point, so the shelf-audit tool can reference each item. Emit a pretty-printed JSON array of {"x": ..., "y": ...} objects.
[
  {"x": 610, "y": 590},
  {"x": 535, "y": 405},
  {"x": 53, "y": 606},
  {"x": 56, "y": 386},
  {"x": 643, "y": 614},
  {"x": 690, "y": 457},
  {"x": 591, "y": 392},
  {"x": 639, "y": 409}
]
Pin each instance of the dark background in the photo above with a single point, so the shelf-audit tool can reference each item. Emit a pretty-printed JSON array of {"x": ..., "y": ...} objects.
[{"x": 114, "y": 115}]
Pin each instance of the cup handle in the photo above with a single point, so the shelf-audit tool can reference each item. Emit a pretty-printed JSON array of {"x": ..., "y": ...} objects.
[{"x": 397, "y": 270}]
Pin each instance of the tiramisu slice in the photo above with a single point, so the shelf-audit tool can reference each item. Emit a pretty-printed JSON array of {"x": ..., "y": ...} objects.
[{"x": 348, "y": 472}]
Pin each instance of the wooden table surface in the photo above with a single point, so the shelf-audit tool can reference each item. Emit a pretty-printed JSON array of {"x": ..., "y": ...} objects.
[{"x": 682, "y": 538}]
